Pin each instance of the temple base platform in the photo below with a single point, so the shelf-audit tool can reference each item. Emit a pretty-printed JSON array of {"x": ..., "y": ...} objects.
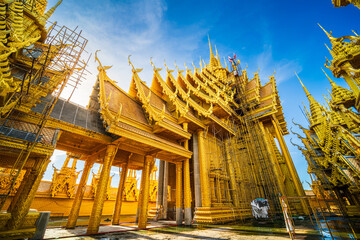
[{"x": 214, "y": 215}]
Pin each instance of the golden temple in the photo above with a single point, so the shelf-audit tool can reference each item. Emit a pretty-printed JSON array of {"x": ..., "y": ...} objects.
[
  {"x": 331, "y": 143},
  {"x": 215, "y": 131}
]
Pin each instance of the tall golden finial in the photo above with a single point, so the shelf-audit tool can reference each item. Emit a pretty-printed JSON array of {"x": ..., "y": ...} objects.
[
  {"x": 213, "y": 63},
  {"x": 217, "y": 54},
  {"x": 48, "y": 14},
  {"x": 328, "y": 48},
  {"x": 201, "y": 66},
  {"x": 331, "y": 81},
  {"x": 327, "y": 34},
  {"x": 306, "y": 91},
  {"x": 226, "y": 64},
  {"x": 211, "y": 52},
  {"x": 217, "y": 57}
]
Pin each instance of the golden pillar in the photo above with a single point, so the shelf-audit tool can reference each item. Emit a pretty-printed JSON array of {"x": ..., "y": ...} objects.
[
  {"x": 19, "y": 190},
  {"x": 187, "y": 186},
  {"x": 100, "y": 195},
  {"x": 165, "y": 190},
  {"x": 117, "y": 210},
  {"x": 142, "y": 182},
  {"x": 27, "y": 195},
  {"x": 160, "y": 191},
  {"x": 231, "y": 169},
  {"x": 179, "y": 198},
  {"x": 299, "y": 189},
  {"x": 277, "y": 170},
  {"x": 204, "y": 172},
  {"x": 196, "y": 167},
  {"x": 144, "y": 191},
  {"x": 75, "y": 209},
  {"x": 187, "y": 193}
]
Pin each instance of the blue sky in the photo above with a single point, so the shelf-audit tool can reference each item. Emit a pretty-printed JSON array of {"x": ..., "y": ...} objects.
[{"x": 270, "y": 35}]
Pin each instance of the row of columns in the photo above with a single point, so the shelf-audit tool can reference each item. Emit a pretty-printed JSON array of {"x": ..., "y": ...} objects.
[
  {"x": 22, "y": 200},
  {"x": 26, "y": 193},
  {"x": 96, "y": 213},
  {"x": 183, "y": 187},
  {"x": 161, "y": 201}
]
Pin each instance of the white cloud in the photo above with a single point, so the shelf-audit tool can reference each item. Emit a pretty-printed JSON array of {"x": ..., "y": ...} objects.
[
  {"x": 284, "y": 68},
  {"x": 58, "y": 155},
  {"x": 136, "y": 28}
]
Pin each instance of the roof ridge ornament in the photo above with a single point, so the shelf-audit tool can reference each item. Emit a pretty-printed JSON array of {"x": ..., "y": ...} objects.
[
  {"x": 154, "y": 68},
  {"x": 273, "y": 75},
  {"x": 101, "y": 67},
  {"x": 167, "y": 69},
  {"x": 187, "y": 70},
  {"x": 179, "y": 71},
  {"x": 134, "y": 70},
  {"x": 297, "y": 124},
  {"x": 195, "y": 69}
]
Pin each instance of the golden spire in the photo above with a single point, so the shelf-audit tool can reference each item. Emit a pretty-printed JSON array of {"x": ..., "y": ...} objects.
[
  {"x": 211, "y": 52},
  {"x": 315, "y": 107},
  {"x": 213, "y": 62},
  {"x": 327, "y": 34},
  {"x": 305, "y": 90},
  {"x": 217, "y": 56},
  {"x": 331, "y": 81},
  {"x": 331, "y": 52},
  {"x": 226, "y": 64},
  {"x": 338, "y": 93},
  {"x": 48, "y": 14}
]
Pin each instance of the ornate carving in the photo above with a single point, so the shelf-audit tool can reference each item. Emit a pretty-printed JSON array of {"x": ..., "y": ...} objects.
[
  {"x": 6, "y": 180},
  {"x": 153, "y": 185},
  {"x": 131, "y": 192},
  {"x": 94, "y": 183},
  {"x": 64, "y": 180}
]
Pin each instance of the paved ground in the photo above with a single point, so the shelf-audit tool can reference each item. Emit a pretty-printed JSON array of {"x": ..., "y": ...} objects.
[{"x": 164, "y": 230}]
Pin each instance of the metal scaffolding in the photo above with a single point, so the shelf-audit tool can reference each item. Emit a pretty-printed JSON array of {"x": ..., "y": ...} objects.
[{"x": 44, "y": 70}]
